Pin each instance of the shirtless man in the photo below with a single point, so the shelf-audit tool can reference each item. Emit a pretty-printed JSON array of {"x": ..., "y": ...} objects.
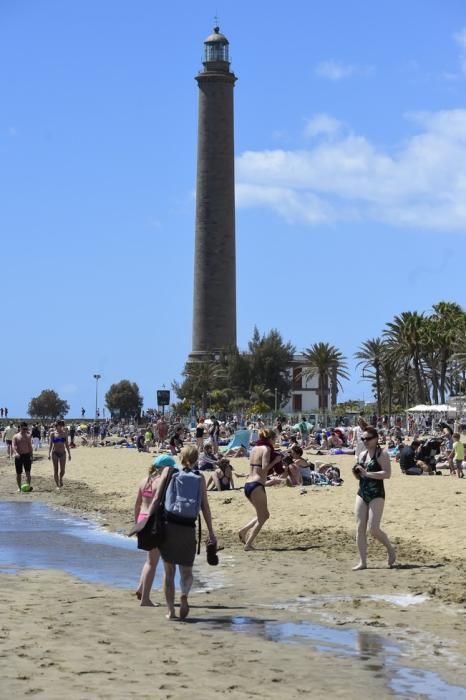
[
  {"x": 162, "y": 429},
  {"x": 22, "y": 450}
]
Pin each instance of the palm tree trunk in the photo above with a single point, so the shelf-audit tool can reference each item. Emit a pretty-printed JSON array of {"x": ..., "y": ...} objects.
[{"x": 379, "y": 393}]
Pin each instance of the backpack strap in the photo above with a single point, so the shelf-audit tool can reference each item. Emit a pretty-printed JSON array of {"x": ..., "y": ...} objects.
[{"x": 199, "y": 531}]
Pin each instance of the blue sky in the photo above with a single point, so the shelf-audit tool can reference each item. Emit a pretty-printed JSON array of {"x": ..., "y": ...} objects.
[{"x": 351, "y": 179}]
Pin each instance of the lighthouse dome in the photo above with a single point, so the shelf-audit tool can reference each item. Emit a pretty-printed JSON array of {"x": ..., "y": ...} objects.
[{"x": 216, "y": 48}]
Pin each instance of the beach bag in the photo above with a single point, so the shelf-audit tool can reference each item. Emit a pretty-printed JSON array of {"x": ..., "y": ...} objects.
[
  {"x": 182, "y": 502},
  {"x": 151, "y": 532}
]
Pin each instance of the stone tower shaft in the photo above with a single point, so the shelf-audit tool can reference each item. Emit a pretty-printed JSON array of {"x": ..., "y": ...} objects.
[{"x": 214, "y": 312}]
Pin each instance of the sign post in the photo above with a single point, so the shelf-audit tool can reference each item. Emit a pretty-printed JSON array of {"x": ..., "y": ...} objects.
[{"x": 163, "y": 399}]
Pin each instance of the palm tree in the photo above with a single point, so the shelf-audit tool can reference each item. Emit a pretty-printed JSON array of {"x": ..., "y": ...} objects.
[
  {"x": 370, "y": 356},
  {"x": 404, "y": 337},
  {"x": 450, "y": 321},
  {"x": 328, "y": 363},
  {"x": 261, "y": 398},
  {"x": 202, "y": 378}
]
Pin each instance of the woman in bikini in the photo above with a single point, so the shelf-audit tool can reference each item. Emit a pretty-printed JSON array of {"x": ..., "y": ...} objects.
[
  {"x": 372, "y": 469},
  {"x": 222, "y": 478},
  {"x": 58, "y": 446},
  {"x": 146, "y": 492},
  {"x": 262, "y": 459}
]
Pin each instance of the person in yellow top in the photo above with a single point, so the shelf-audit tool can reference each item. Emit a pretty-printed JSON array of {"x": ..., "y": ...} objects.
[{"x": 456, "y": 456}]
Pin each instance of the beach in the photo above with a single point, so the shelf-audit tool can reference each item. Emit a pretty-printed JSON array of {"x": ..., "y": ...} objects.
[{"x": 62, "y": 635}]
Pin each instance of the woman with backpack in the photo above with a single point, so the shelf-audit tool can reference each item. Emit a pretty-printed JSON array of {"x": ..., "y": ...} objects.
[
  {"x": 185, "y": 497},
  {"x": 372, "y": 468}
]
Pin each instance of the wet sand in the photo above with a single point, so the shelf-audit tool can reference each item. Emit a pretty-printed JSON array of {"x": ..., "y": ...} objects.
[{"x": 94, "y": 640}]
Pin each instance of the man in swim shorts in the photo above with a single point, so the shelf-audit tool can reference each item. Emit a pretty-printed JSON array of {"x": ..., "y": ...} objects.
[{"x": 22, "y": 450}]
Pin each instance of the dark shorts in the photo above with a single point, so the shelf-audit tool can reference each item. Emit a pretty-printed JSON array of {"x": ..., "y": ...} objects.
[
  {"x": 23, "y": 461},
  {"x": 9, "y": 442}
]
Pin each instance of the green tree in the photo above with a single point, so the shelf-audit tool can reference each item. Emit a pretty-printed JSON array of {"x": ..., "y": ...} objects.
[
  {"x": 450, "y": 322},
  {"x": 327, "y": 363},
  {"x": 404, "y": 336},
  {"x": 261, "y": 397},
  {"x": 200, "y": 379},
  {"x": 269, "y": 360},
  {"x": 124, "y": 397},
  {"x": 48, "y": 406},
  {"x": 370, "y": 355}
]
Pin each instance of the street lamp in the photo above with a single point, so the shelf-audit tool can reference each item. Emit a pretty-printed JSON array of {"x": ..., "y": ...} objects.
[{"x": 96, "y": 377}]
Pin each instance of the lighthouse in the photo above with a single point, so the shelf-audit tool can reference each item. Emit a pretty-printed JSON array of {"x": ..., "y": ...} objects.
[{"x": 214, "y": 307}]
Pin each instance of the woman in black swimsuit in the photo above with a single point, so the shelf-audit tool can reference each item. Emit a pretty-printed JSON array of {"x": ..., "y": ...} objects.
[
  {"x": 262, "y": 459},
  {"x": 372, "y": 468},
  {"x": 200, "y": 429}
]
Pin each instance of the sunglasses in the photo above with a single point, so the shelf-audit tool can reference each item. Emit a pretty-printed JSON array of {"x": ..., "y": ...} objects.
[{"x": 368, "y": 438}]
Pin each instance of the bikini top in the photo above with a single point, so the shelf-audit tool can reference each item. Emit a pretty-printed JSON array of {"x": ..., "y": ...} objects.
[
  {"x": 58, "y": 439},
  {"x": 148, "y": 490}
]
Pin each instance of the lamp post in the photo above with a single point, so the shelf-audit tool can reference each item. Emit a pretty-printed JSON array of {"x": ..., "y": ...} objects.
[{"x": 96, "y": 377}]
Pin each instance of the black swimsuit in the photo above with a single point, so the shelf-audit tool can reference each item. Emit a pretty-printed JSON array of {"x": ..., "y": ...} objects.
[{"x": 371, "y": 488}]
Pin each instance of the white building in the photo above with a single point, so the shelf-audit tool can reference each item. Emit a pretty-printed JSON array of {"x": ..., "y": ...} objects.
[{"x": 305, "y": 390}]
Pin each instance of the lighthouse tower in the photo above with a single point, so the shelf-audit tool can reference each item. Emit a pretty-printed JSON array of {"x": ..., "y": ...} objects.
[{"x": 214, "y": 312}]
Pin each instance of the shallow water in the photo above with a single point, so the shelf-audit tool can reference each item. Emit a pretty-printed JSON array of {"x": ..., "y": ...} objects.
[
  {"x": 378, "y": 657},
  {"x": 35, "y": 536}
]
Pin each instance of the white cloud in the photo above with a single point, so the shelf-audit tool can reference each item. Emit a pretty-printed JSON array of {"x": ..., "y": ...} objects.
[
  {"x": 333, "y": 70},
  {"x": 460, "y": 39},
  {"x": 322, "y": 124},
  {"x": 421, "y": 183},
  {"x": 336, "y": 70}
]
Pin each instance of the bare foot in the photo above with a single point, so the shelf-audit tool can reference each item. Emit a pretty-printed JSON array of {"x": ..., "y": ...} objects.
[
  {"x": 359, "y": 567},
  {"x": 249, "y": 548},
  {"x": 171, "y": 615},
  {"x": 184, "y": 607},
  {"x": 392, "y": 558},
  {"x": 138, "y": 594},
  {"x": 240, "y": 535},
  {"x": 149, "y": 604}
]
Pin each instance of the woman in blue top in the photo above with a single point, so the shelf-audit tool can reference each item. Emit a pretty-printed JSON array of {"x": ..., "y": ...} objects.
[{"x": 371, "y": 470}]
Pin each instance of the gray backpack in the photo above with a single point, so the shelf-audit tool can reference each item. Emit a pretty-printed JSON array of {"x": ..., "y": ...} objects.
[{"x": 183, "y": 497}]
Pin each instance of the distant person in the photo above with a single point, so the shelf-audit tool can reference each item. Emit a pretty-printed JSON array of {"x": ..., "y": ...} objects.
[
  {"x": 1, "y": 412},
  {"x": 58, "y": 447},
  {"x": 200, "y": 430},
  {"x": 22, "y": 450},
  {"x": 372, "y": 469},
  {"x": 83, "y": 412},
  {"x": 456, "y": 456},
  {"x": 304, "y": 430},
  {"x": 214, "y": 433},
  {"x": 358, "y": 444},
  {"x": 6, "y": 412},
  {"x": 35, "y": 434},
  {"x": 72, "y": 435},
  {"x": 408, "y": 460},
  {"x": 176, "y": 442},
  {"x": 162, "y": 430},
  {"x": 8, "y": 436}
]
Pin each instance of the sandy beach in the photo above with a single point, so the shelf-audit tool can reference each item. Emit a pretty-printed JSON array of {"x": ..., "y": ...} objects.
[{"x": 59, "y": 635}]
